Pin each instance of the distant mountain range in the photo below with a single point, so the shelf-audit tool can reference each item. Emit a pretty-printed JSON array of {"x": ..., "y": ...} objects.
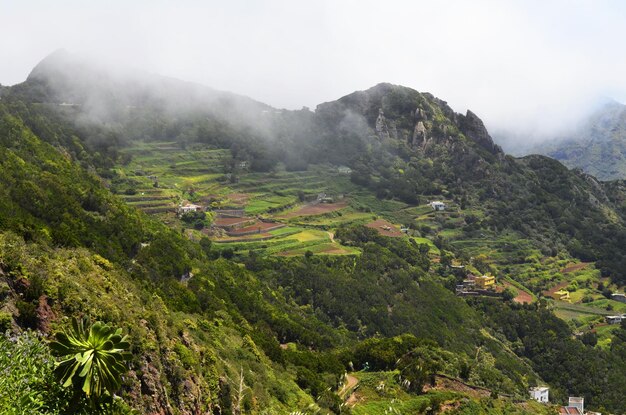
[{"x": 597, "y": 145}]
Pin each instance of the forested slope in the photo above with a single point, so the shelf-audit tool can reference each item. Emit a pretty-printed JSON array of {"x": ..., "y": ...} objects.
[{"x": 274, "y": 334}]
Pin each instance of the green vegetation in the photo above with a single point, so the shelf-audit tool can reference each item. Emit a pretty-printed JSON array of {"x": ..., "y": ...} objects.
[
  {"x": 269, "y": 319},
  {"x": 92, "y": 358},
  {"x": 27, "y": 385}
]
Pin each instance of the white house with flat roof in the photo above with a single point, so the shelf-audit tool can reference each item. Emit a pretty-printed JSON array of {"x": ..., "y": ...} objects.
[
  {"x": 615, "y": 319},
  {"x": 577, "y": 402},
  {"x": 540, "y": 394},
  {"x": 438, "y": 205},
  {"x": 182, "y": 209},
  {"x": 619, "y": 297}
]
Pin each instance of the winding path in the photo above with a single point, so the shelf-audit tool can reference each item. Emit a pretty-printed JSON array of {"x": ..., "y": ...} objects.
[
  {"x": 351, "y": 383},
  {"x": 331, "y": 236}
]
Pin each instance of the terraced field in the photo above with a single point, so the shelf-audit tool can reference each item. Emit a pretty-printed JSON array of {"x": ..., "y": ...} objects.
[{"x": 281, "y": 214}]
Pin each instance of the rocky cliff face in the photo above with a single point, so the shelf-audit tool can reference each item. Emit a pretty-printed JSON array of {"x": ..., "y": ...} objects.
[
  {"x": 416, "y": 119},
  {"x": 475, "y": 129}
]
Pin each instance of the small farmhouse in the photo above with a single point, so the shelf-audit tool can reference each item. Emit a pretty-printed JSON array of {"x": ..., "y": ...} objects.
[
  {"x": 578, "y": 403},
  {"x": 619, "y": 297},
  {"x": 615, "y": 319},
  {"x": 182, "y": 209},
  {"x": 438, "y": 205},
  {"x": 540, "y": 394},
  {"x": 324, "y": 198},
  {"x": 467, "y": 287}
]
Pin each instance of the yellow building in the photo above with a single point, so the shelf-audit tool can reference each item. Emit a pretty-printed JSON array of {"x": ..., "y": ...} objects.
[
  {"x": 562, "y": 295},
  {"x": 486, "y": 282}
]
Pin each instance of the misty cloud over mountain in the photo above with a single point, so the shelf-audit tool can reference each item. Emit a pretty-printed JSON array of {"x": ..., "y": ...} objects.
[{"x": 530, "y": 70}]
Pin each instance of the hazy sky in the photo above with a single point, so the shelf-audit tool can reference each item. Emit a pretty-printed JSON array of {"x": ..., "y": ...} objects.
[{"x": 525, "y": 65}]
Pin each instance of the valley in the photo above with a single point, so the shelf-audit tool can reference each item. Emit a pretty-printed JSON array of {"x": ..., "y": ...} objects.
[
  {"x": 280, "y": 213},
  {"x": 380, "y": 253}
]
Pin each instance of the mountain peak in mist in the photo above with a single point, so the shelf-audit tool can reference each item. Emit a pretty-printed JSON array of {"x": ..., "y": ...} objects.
[
  {"x": 597, "y": 145},
  {"x": 106, "y": 92},
  {"x": 59, "y": 58}
]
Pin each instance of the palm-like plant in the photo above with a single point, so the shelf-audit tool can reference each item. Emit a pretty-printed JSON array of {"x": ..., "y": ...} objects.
[{"x": 92, "y": 359}]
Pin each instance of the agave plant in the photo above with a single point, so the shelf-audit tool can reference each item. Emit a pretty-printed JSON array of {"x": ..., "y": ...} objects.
[{"x": 92, "y": 359}]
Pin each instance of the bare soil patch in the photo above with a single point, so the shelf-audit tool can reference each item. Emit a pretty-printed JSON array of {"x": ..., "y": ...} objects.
[
  {"x": 230, "y": 221},
  {"x": 522, "y": 296},
  {"x": 258, "y": 226},
  {"x": 238, "y": 198},
  {"x": 574, "y": 267},
  {"x": 385, "y": 228},
  {"x": 556, "y": 288},
  {"x": 316, "y": 209}
]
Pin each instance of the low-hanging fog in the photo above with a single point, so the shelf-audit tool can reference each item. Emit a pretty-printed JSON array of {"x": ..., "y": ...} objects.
[{"x": 531, "y": 69}]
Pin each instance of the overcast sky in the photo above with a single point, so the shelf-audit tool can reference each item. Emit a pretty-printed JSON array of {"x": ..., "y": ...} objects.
[{"x": 530, "y": 66}]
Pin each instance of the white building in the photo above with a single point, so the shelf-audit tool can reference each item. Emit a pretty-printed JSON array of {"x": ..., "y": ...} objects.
[
  {"x": 189, "y": 208},
  {"x": 540, "y": 394},
  {"x": 437, "y": 205},
  {"x": 615, "y": 319},
  {"x": 576, "y": 402},
  {"x": 619, "y": 297}
]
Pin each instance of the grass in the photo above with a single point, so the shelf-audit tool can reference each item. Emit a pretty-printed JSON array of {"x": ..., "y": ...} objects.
[
  {"x": 325, "y": 249},
  {"x": 581, "y": 309},
  {"x": 603, "y": 303},
  {"x": 312, "y": 235},
  {"x": 379, "y": 393},
  {"x": 264, "y": 203},
  {"x": 605, "y": 334},
  {"x": 431, "y": 245}
]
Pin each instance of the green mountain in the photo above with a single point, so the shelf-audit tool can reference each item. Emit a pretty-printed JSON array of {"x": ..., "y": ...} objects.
[
  {"x": 598, "y": 146},
  {"x": 234, "y": 326}
]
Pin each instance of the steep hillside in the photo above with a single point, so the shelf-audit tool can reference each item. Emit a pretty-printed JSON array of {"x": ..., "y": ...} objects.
[
  {"x": 49, "y": 202},
  {"x": 252, "y": 329},
  {"x": 68, "y": 247},
  {"x": 411, "y": 146}
]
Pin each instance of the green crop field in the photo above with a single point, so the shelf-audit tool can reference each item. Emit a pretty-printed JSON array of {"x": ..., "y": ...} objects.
[{"x": 162, "y": 175}]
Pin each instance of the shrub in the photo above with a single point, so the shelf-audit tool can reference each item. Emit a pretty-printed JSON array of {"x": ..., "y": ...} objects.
[
  {"x": 27, "y": 385},
  {"x": 5, "y": 321}
]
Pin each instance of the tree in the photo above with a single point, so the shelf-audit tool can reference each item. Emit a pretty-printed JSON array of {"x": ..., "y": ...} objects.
[
  {"x": 509, "y": 293},
  {"x": 414, "y": 376},
  {"x": 92, "y": 358}
]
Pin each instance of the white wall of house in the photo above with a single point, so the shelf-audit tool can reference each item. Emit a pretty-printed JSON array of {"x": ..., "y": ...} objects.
[{"x": 540, "y": 394}]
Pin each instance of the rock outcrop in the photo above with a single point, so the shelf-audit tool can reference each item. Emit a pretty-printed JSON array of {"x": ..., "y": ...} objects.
[
  {"x": 475, "y": 129},
  {"x": 419, "y": 134},
  {"x": 381, "y": 126}
]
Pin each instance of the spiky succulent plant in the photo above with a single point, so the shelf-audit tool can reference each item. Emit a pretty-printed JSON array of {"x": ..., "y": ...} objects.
[{"x": 91, "y": 358}]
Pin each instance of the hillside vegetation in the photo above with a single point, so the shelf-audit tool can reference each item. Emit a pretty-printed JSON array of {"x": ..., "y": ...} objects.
[{"x": 267, "y": 322}]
